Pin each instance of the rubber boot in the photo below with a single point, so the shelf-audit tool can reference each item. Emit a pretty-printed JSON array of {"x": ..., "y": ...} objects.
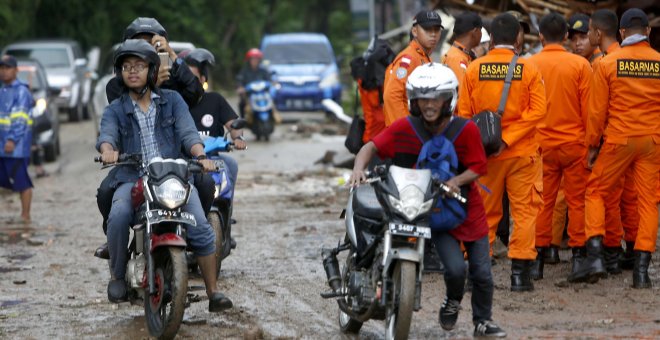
[
  {"x": 591, "y": 269},
  {"x": 551, "y": 255},
  {"x": 628, "y": 257},
  {"x": 579, "y": 253},
  {"x": 537, "y": 265},
  {"x": 521, "y": 280},
  {"x": 641, "y": 270},
  {"x": 612, "y": 260}
]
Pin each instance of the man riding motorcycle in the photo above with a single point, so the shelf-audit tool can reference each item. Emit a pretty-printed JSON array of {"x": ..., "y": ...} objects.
[
  {"x": 152, "y": 122},
  {"x": 251, "y": 71}
]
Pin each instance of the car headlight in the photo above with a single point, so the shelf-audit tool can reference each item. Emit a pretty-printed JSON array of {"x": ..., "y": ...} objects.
[
  {"x": 330, "y": 80},
  {"x": 39, "y": 107},
  {"x": 412, "y": 202},
  {"x": 171, "y": 193}
]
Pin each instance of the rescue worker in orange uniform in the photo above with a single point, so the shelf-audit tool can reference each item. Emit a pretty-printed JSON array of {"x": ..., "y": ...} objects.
[
  {"x": 467, "y": 35},
  {"x": 578, "y": 28},
  {"x": 561, "y": 133},
  {"x": 629, "y": 122},
  {"x": 517, "y": 166},
  {"x": 426, "y": 29},
  {"x": 602, "y": 32}
]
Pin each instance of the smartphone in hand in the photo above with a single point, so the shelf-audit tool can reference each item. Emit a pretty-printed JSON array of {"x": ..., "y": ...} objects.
[{"x": 164, "y": 58}]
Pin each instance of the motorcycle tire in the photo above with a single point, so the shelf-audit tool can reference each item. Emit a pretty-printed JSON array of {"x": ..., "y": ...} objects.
[
  {"x": 346, "y": 323},
  {"x": 402, "y": 301},
  {"x": 163, "y": 311},
  {"x": 220, "y": 240}
]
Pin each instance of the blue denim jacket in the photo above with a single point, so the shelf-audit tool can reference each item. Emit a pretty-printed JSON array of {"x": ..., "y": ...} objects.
[{"x": 175, "y": 130}]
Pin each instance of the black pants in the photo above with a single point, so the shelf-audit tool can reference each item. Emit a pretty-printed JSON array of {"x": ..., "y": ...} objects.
[
  {"x": 203, "y": 182},
  {"x": 479, "y": 270}
]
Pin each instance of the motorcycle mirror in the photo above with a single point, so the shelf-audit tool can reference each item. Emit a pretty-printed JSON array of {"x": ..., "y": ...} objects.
[{"x": 238, "y": 124}]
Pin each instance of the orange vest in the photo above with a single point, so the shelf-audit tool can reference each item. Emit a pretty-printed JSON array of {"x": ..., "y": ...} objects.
[
  {"x": 395, "y": 100},
  {"x": 482, "y": 89},
  {"x": 457, "y": 60},
  {"x": 567, "y": 79},
  {"x": 625, "y": 95}
]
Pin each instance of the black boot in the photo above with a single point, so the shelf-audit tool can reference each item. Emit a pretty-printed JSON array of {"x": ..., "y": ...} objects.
[
  {"x": 537, "y": 265},
  {"x": 641, "y": 270},
  {"x": 612, "y": 259},
  {"x": 579, "y": 253},
  {"x": 591, "y": 269},
  {"x": 628, "y": 257},
  {"x": 552, "y": 255},
  {"x": 521, "y": 280}
]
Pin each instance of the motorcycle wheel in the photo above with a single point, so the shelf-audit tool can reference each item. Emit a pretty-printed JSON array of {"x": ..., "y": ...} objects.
[
  {"x": 346, "y": 323},
  {"x": 220, "y": 242},
  {"x": 164, "y": 310},
  {"x": 402, "y": 301}
]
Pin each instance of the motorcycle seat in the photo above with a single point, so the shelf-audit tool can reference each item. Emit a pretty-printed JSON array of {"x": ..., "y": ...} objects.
[{"x": 365, "y": 202}]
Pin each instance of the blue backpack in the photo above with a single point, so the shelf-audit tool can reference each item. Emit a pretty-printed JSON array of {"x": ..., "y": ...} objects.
[{"x": 439, "y": 156}]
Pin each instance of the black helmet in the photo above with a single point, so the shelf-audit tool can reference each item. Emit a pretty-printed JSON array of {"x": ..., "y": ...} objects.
[
  {"x": 142, "y": 50},
  {"x": 144, "y": 25},
  {"x": 202, "y": 59}
]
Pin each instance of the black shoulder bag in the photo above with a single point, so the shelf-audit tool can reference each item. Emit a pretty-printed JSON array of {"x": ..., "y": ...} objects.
[{"x": 353, "y": 140}]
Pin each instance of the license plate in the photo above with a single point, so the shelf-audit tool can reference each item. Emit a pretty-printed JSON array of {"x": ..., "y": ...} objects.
[
  {"x": 158, "y": 216},
  {"x": 410, "y": 230}
]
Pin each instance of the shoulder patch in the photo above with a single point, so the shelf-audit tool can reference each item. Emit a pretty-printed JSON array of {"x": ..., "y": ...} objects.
[
  {"x": 401, "y": 73},
  {"x": 635, "y": 68},
  {"x": 463, "y": 64},
  {"x": 405, "y": 61},
  {"x": 498, "y": 71}
]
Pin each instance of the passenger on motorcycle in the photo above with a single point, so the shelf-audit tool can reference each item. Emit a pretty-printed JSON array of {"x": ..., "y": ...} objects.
[
  {"x": 177, "y": 78},
  {"x": 431, "y": 89},
  {"x": 251, "y": 71},
  {"x": 152, "y": 122},
  {"x": 211, "y": 115}
]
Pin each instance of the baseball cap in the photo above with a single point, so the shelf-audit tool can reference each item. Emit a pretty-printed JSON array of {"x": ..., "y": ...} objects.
[
  {"x": 8, "y": 60},
  {"x": 520, "y": 19},
  {"x": 427, "y": 19},
  {"x": 467, "y": 22},
  {"x": 578, "y": 23},
  {"x": 632, "y": 14}
]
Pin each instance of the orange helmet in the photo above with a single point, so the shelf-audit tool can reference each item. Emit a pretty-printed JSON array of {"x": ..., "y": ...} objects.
[{"x": 253, "y": 53}]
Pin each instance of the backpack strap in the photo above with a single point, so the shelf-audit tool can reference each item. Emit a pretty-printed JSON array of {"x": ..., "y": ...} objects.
[
  {"x": 507, "y": 84},
  {"x": 418, "y": 126},
  {"x": 454, "y": 128}
]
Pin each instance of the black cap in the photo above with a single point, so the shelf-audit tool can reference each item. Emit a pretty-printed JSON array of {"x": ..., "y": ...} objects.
[
  {"x": 578, "y": 23},
  {"x": 632, "y": 14},
  {"x": 428, "y": 19},
  {"x": 520, "y": 19},
  {"x": 8, "y": 60},
  {"x": 467, "y": 22}
]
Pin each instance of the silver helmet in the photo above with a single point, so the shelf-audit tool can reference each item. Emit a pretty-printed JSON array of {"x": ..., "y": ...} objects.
[{"x": 433, "y": 80}]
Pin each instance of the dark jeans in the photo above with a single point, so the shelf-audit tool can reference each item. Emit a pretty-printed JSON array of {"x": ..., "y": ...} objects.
[
  {"x": 451, "y": 256},
  {"x": 204, "y": 184}
]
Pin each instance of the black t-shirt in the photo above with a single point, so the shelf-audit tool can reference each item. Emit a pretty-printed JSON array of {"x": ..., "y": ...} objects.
[{"x": 211, "y": 114}]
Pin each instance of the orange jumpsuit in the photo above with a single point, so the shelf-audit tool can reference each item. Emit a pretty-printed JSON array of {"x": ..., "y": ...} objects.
[
  {"x": 457, "y": 59},
  {"x": 395, "y": 100},
  {"x": 374, "y": 121},
  {"x": 630, "y": 122},
  {"x": 518, "y": 169},
  {"x": 567, "y": 78}
]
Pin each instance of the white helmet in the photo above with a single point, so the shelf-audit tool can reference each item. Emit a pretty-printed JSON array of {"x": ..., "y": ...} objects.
[{"x": 433, "y": 80}]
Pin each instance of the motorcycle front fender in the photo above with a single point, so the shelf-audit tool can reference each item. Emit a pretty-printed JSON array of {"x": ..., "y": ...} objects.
[
  {"x": 167, "y": 240},
  {"x": 400, "y": 254}
]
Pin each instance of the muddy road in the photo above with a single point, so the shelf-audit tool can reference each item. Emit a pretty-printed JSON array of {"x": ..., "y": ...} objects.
[{"x": 287, "y": 208}]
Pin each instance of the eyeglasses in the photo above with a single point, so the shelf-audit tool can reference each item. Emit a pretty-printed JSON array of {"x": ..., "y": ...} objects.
[{"x": 134, "y": 68}]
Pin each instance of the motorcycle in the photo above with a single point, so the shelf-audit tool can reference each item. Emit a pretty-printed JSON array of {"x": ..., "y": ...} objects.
[
  {"x": 221, "y": 210},
  {"x": 260, "y": 104},
  {"x": 387, "y": 225},
  {"x": 157, "y": 272}
]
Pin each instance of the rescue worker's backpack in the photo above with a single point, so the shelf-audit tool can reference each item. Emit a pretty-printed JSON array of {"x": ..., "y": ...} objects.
[
  {"x": 370, "y": 67},
  {"x": 439, "y": 156}
]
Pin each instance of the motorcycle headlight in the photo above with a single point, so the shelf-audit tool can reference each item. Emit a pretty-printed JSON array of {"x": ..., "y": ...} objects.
[
  {"x": 330, "y": 80},
  {"x": 171, "y": 193},
  {"x": 411, "y": 203}
]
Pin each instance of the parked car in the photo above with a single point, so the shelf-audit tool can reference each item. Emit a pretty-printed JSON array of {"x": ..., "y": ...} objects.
[
  {"x": 66, "y": 68},
  {"x": 100, "y": 100},
  {"x": 33, "y": 73},
  {"x": 305, "y": 69}
]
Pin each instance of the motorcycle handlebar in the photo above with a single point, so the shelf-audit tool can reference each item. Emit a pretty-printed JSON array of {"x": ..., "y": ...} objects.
[{"x": 446, "y": 190}]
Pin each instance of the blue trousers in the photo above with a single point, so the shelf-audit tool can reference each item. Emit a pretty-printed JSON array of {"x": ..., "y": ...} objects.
[
  {"x": 201, "y": 239},
  {"x": 451, "y": 255}
]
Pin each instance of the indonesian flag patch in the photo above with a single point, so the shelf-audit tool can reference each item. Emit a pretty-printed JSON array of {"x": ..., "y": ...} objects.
[
  {"x": 463, "y": 64},
  {"x": 405, "y": 61}
]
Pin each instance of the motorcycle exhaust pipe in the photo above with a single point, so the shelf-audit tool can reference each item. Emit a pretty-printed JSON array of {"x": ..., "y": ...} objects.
[{"x": 331, "y": 266}]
